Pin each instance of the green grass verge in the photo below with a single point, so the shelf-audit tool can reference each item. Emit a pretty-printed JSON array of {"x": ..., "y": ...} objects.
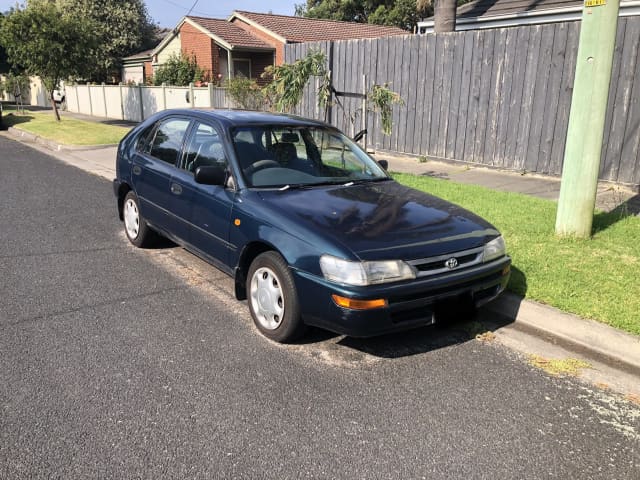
[
  {"x": 67, "y": 131},
  {"x": 596, "y": 278}
]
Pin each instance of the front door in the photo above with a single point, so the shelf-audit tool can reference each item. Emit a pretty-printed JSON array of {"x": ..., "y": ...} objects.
[{"x": 208, "y": 207}]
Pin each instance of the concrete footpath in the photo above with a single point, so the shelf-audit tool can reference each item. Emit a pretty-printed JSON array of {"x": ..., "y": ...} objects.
[{"x": 591, "y": 340}]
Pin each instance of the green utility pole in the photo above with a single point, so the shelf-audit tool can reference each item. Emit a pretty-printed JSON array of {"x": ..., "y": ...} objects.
[{"x": 586, "y": 120}]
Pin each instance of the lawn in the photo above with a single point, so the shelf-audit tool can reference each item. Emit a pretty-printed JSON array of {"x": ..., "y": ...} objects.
[
  {"x": 596, "y": 278},
  {"x": 68, "y": 131}
]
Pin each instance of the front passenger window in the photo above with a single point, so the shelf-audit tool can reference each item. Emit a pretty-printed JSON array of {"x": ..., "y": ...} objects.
[{"x": 168, "y": 139}]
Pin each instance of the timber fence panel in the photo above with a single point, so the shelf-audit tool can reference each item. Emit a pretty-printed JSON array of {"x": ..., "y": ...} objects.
[
  {"x": 455, "y": 97},
  {"x": 438, "y": 87},
  {"x": 474, "y": 95},
  {"x": 504, "y": 102},
  {"x": 516, "y": 98},
  {"x": 446, "y": 94},
  {"x": 553, "y": 100},
  {"x": 629, "y": 170},
  {"x": 463, "y": 107},
  {"x": 566, "y": 90},
  {"x": 518, "y": 162},
  {"x": 421, "y": 78},
  {"x": 615, "y": 89},
  {"x": 497, "y": 97},
  {"x": 540, "y": 98}
]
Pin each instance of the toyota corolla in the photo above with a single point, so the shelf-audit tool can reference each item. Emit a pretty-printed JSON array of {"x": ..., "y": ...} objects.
[{"x": 312, "y": 230}]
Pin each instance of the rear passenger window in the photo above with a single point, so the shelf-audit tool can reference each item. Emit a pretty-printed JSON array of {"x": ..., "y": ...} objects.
[{"x": 168, "y": 139}]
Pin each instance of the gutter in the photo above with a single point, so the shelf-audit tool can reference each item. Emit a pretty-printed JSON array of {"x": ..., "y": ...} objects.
[{"x": 566, "y": 14}]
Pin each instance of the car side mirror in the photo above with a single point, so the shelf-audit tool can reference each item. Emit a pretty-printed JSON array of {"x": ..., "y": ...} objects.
[
  {"x": 384, "y": 164},
  {"x": 210, "y": 175}
]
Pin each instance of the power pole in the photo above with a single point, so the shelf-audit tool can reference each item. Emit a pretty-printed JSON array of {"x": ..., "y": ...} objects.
[{"x": 586, "y": 120}]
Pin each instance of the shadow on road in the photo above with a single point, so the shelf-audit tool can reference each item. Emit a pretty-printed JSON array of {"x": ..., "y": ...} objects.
[{"x": 446, "y": 333}]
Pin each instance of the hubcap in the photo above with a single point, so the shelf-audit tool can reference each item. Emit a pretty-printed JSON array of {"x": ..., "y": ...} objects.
[
  {"x": 131, "y": 218},
  {"x": 267, "y": 300}
]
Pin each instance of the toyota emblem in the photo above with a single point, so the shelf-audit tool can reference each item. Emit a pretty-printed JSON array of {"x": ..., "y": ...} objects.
[{"x": 451, "y": 263}]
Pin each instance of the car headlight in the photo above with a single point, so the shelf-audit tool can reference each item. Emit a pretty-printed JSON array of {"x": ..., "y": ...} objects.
[
  {"x": 339, "y": 270},
  {"x": 496, "y": 248}
]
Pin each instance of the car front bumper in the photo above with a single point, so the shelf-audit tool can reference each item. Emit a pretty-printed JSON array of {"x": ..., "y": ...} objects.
[{"x": 410, "y": 304}]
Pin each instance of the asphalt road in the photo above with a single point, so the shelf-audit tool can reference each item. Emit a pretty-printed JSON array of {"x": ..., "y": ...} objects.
[{"x": 124, "y": 363}]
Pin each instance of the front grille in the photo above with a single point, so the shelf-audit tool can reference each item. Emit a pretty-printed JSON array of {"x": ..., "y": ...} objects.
[{"x": 443, "y": 263}]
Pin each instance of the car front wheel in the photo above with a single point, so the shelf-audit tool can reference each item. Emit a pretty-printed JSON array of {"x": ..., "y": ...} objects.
[
  {"x": 136, "y": 228},
  {"x": 273, "y": 300}
]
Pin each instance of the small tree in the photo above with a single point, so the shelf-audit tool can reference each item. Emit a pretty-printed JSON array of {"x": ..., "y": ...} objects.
[
  {"x": 288, "y": 81},
  {"x": 179, "y": 71},
  {"x": 381, "y": 100},
  {"x": 47, "y": 43}
]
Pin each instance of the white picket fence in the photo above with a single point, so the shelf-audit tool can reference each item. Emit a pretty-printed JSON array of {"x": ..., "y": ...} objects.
[{"x": 137, "y": 102}]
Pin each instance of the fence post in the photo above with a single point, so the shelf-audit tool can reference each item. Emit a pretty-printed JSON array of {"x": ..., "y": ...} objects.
[
  {"x": 192, "y": 99},
  {"x": 104, "y": 99},
  {"x": 164, "y": 96},
  {"x": 210, "y": 87},
  {"x": 141, "y": 102},
  {"x": 90, "y": 102},
  {"x": 121, "y": 101},
  {"x": 77, "y": 97}
]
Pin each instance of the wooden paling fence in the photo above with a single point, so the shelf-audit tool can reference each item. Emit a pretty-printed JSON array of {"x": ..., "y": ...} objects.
[{"x": 498, "y": 97}]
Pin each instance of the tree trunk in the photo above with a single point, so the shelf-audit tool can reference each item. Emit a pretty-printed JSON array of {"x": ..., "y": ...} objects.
[
  {"x": 445, "y": 15},
  {"x": 55, "y": 106}
]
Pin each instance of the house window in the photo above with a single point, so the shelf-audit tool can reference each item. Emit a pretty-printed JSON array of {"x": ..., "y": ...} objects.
[{"x": 241, "y": 67}]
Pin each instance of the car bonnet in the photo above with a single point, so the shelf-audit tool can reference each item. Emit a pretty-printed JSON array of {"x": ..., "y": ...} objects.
[{"x": 382, "y": 220}]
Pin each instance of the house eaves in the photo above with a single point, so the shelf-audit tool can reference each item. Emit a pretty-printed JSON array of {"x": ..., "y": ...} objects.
[
  {"x": 565, "y": 14},
  {"x": 170, "y": 36},
  {"x": 213, "y": 36}
]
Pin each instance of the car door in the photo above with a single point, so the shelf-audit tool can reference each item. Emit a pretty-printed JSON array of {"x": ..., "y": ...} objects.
[
  {"x": 208, "y": 207},
  {"x": 153, "y": 168}
]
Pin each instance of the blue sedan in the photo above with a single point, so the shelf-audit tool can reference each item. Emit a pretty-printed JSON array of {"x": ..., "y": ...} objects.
[{"x": 312, "y": 229}]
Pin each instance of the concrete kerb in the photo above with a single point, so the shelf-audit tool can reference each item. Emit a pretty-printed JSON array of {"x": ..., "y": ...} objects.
[
  {"x": 592, "y": 339},
  {"x": 595, "y": 340}
]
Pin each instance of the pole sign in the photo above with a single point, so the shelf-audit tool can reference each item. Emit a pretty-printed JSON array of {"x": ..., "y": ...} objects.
[{"x": 594, "y": 3}]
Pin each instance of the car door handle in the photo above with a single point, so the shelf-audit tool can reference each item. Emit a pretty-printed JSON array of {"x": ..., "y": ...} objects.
[{"x": 176, "y": 189}]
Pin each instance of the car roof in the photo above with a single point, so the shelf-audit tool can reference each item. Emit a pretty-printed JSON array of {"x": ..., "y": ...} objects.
[{"x": 238, "y": 118}]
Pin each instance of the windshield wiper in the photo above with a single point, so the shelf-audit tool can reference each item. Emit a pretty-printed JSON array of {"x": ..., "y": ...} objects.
[{"x": 361, "y": 181}]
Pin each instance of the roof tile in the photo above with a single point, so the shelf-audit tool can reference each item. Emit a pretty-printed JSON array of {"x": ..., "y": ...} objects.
[{"x": 301, "y": 29}]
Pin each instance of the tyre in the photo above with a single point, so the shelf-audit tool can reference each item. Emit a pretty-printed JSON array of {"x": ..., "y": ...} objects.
[
  {"x": 136, "y": 228},
  {"x": 273, "y": 300}
]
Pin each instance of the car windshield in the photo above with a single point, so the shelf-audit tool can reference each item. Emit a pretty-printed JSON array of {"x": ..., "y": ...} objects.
[{"x": 292, "y": 157}]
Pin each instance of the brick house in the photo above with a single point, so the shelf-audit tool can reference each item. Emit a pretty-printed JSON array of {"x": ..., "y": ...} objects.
[{"x": 247, "y": 42}]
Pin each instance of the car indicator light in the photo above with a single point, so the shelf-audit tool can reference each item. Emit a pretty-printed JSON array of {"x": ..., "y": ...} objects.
[{"x": 354, "y": 304}]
